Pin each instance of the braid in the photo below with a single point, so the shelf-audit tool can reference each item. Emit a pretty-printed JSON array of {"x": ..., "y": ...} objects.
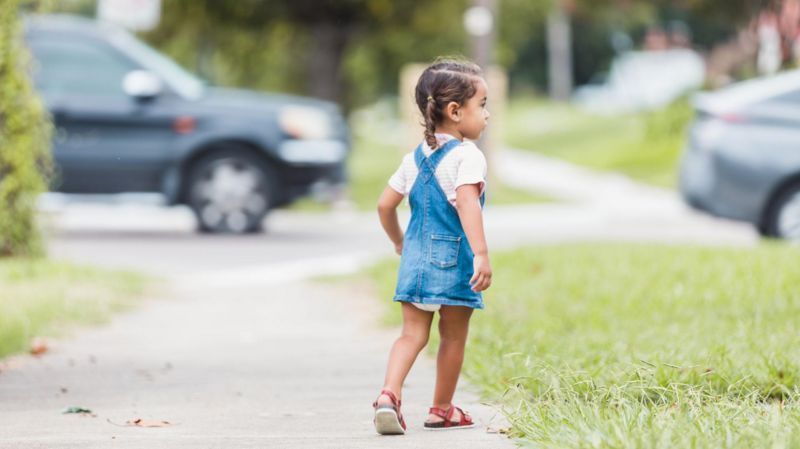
[
  {"x": 443, "y": 82},
  {"x": 430, "y": 123}
]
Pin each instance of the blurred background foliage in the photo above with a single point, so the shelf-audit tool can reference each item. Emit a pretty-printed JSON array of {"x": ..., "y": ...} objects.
[
  {"x": 24, "y": 142},
  {"x": 351, "y": 51}
]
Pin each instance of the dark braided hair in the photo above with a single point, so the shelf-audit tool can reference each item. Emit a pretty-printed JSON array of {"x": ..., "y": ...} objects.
[{"x": 444, "y": 81}]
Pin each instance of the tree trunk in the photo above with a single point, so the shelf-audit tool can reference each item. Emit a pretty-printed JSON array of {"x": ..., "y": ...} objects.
[
  {"x": 324, "y": 64},
  {"x": 559, "y": 49}
]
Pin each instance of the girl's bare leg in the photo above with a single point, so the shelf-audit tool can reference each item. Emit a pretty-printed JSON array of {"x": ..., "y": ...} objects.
[
  {"x": 414, "y": 337},
  {"x": 453, "y": 329}
]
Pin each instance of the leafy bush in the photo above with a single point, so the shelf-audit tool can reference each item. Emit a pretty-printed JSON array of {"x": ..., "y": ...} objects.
[{"x": 24, "y": 141}]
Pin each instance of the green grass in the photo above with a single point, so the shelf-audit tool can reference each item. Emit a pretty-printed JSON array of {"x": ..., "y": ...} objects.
[
  {"x": 639, "y": 346},
  {"x": 644, "y": 146},
  {"x": 40, "y": 297}
]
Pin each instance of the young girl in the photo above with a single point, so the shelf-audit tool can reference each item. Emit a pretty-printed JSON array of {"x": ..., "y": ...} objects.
[{"x": 444, "y": 262}]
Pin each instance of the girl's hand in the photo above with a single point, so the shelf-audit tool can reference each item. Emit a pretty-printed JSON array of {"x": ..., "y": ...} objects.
[
  {"x": 482, "y": 278},
  {"x": 469, "y": 212},
  {"x": 387, "y": 211}
]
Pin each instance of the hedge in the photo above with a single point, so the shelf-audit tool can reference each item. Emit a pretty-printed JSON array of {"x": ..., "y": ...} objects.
[{"x": 25, "y": 160}]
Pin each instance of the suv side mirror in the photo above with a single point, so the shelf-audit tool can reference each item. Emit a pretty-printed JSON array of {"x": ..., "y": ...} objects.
[{"x": 141, "y": 85}]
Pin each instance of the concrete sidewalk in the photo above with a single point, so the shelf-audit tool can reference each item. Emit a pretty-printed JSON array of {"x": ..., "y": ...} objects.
[
  {"x": 602, "y": 206},
  {"x": 279, "y": 366}
]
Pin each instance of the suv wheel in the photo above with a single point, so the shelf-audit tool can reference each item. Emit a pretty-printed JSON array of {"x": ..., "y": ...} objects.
[
  {"x": 783, "y": 219},
  {"x": 230, "y": 192}
]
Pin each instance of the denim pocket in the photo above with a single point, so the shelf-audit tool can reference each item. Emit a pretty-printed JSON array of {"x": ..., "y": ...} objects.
[{"x": 444, "y": 250}]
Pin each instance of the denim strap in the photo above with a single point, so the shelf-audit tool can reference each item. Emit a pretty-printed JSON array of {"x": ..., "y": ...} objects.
[{"x": 427, "y": 165}]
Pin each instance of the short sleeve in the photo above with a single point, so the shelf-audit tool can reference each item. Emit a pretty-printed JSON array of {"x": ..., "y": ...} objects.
[
  {"x": 398, "y": 180},
  {"x": 472, "y": 169}
]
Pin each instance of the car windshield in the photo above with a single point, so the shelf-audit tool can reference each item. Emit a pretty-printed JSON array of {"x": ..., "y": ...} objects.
[{"x": 180, "y": 80}]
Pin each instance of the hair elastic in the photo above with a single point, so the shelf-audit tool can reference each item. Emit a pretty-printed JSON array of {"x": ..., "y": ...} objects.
[{"x": 430, "y": 98}]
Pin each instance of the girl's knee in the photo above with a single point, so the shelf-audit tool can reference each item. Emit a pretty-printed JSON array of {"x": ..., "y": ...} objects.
[
  {"x": 454, "y": 339},
  {"x": 419, "y": 340},
  {"x": 454, "y": 330}
]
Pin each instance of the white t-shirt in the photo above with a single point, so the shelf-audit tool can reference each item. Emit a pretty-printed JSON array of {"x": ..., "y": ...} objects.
[{"x": 464, "y": 164}]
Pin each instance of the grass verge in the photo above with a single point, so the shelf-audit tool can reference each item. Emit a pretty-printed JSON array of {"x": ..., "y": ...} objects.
[
  {"x": 639, "y": 346},
  {"x": 41, "y": 297},
  {"x": 645, "y": 146}
]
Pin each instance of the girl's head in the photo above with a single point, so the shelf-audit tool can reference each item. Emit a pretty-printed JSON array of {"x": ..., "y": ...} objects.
[{"x": 451, "y": 95}]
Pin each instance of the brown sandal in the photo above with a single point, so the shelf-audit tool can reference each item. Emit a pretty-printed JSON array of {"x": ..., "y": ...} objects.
[
  {"x": 464, "y": 423},
  {"x": 388, "y": 419}
]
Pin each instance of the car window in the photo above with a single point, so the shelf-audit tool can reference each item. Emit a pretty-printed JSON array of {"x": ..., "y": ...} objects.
[
  {"x": 183, "y": 82},
  {"x": 78, "y": 67}
]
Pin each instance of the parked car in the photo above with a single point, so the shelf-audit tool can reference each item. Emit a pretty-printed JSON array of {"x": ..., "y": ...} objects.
[
  {"x": 643, "y": 81},
  {"x": 128, "y": 119},
  {"x": 742, "y": 159}
]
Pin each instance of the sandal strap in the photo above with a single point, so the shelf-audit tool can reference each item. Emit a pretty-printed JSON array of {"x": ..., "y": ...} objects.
[
  {"x": 465, "y": 418},
  {"x": 447, "y": 416},
  {"x": 441, "y": 413},
  {"x": 392, "y": 396},
  {"x": 395, "y": 405},
  {"x": 395, "y": 402}
]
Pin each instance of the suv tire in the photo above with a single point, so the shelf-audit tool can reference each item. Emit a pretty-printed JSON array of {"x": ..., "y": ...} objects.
[
  {"x": 230, "y": 191},
  {"x": 783, "y": 217}
]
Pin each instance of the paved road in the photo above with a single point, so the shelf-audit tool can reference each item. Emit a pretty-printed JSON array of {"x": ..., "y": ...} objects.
[{"x": 593, "y": 207}]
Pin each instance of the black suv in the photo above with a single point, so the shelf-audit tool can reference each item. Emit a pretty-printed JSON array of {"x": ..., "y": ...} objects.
[{"x": 129, "y": 119}]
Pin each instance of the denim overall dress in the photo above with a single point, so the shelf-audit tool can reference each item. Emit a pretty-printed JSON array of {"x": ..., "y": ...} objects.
[{"x": 436, "y": 263}]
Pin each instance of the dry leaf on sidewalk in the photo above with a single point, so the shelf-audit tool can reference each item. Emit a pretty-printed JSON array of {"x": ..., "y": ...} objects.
[
  {"x": 38, "y": 346},
  {"x": 139, "y": 422}
]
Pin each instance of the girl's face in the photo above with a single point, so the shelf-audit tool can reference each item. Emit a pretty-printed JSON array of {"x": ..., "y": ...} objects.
[{"x": 473, "y": 114}]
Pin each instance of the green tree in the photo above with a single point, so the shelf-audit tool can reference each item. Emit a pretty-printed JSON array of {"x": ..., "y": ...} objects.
[
  {"x": 348, "y": 51},
  {"x": 24, "y": 141},
  {"x": 595, "y": 22}
]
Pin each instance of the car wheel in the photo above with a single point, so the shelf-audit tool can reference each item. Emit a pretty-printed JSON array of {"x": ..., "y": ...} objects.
[
  {"x": 783, "y": 219},
  {"x": 230, "y": 192}
]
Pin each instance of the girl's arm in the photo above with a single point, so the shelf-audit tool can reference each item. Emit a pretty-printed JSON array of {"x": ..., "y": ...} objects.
[
  {"x": 469, "y": 212},
  {"x": 387, "y": 211}
]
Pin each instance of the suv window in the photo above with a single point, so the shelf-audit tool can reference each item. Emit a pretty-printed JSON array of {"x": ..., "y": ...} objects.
[{"x": 78, "y": 67}]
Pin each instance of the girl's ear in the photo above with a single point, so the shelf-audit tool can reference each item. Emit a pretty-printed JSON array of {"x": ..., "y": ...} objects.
[{"x": 453, "y": 111}]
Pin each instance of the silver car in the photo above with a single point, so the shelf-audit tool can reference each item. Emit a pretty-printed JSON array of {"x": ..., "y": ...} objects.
[{"x": 742, "y": 159}]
